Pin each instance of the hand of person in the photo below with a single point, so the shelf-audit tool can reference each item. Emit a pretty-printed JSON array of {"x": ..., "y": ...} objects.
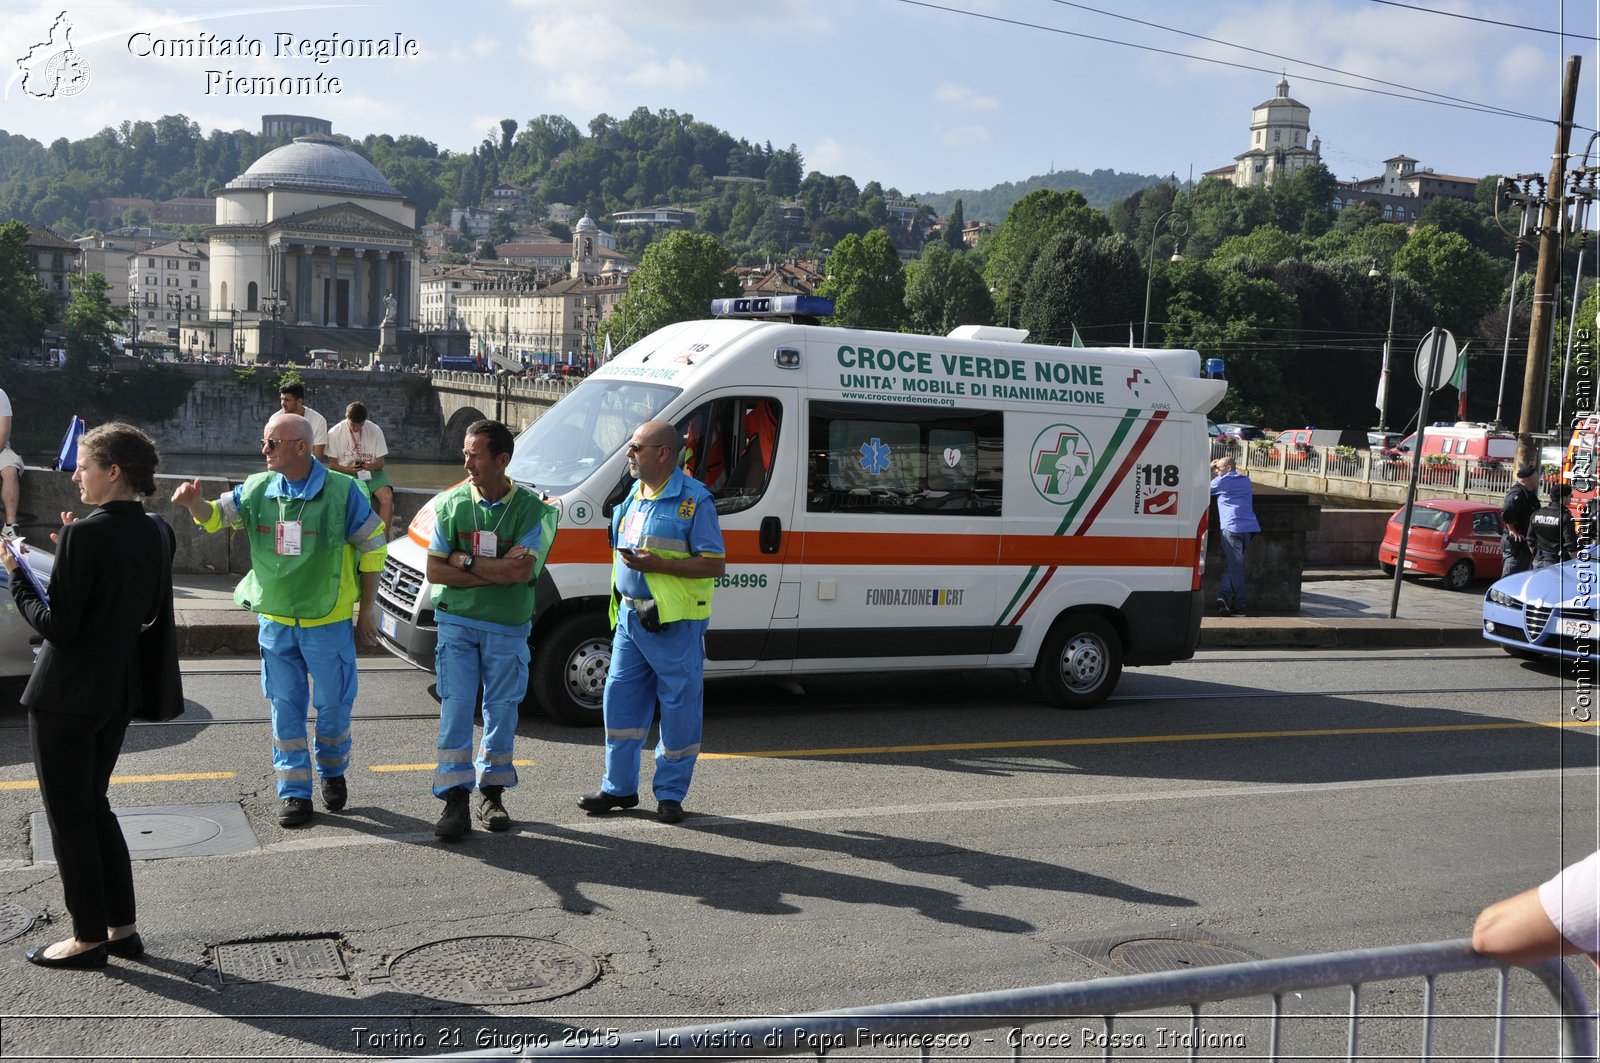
[
  {"x": 640, "y": 560},
  {"x": 516, "y": 551},
  {"x": 9, "y": 560},
  {"x": 67, "y": 517},
  {"x": 187, "y": 493},
  {"x": 367, "y": 628}
]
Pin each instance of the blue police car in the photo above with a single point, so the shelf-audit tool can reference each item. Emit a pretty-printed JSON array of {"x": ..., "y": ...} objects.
[{"x": 1551, "y": 612}]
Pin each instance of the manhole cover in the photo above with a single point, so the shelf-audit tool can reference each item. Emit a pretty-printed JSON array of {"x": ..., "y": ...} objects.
[
  {"x": 160, "y": 831},
  {"x": 1152, "y": 955},
  {"x": 492, "y": 970},
  {"x": 14, "y": 921},
  {"x": 279, "y": 961}
]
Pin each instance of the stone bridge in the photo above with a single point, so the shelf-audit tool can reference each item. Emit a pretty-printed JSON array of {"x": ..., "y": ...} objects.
[{"x": 468, "y": 397}]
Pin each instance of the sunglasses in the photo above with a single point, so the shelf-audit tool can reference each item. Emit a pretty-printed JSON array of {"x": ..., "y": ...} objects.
[
  {"x": 636, "y": 447},
  {"x": 272, "y": 444}
]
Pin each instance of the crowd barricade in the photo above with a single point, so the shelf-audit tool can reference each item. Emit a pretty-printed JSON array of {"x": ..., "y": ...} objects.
[{"x": 1107, "y": 1016}]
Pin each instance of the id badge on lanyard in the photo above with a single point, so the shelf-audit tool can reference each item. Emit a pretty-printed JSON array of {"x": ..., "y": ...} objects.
[
  {"x": 632, "y": 530},
  {"x": 485, "y": 544},
  {"x": 288, "y": 538}
]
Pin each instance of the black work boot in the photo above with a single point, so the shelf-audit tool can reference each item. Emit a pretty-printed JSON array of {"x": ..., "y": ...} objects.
[
  {"x": 491, "y": 813},
  {"x": 455, "y": 820}
]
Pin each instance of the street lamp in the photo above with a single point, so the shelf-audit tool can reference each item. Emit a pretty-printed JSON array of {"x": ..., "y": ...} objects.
[
  {"x": 1388, "y": 343},
  {"x": 1150, "y": 266},
  {"x": 993, "y": 291}
]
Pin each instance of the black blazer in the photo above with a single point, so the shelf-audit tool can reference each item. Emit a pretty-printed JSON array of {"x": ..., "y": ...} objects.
[{"x": 112, "y": 575}]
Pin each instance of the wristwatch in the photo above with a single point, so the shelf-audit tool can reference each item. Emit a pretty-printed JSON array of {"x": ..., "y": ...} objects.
[{"x": 467, "y": 562}]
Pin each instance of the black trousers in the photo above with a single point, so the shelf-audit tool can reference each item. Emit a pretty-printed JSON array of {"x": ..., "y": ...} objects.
[{"x": 74, "y": 757}]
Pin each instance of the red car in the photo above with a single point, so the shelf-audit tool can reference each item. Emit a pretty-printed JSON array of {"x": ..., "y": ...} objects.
[{"x": 1455, "y": 540}]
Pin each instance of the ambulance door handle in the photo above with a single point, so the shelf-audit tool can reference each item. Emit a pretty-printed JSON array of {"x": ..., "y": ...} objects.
[{"x": 771, "y": 535}]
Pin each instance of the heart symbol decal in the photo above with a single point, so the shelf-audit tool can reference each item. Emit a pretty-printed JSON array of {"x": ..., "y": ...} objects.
[{"x": 952, "y": 457}]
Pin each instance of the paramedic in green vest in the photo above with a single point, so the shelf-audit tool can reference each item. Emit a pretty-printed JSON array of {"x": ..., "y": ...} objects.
[
  {"x": 667, "y": 555},
  {"x": 490, "y": 539},
  {"x": 315, "y": 546}
]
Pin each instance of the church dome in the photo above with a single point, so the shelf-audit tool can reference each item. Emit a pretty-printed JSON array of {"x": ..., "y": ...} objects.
[
  {"x": 317, "y": 164},
  {"x": 585, "y": 224}
]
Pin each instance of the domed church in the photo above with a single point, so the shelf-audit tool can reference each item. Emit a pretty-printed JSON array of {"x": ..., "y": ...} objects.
[{"x": 311, "y": 239}]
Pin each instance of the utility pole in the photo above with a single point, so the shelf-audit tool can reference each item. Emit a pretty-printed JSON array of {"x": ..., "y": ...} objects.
[{"x": 1536, "y": 376}]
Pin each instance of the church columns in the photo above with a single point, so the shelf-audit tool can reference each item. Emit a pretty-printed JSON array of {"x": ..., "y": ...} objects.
[
  {"x": 303, "y": 309},
  {"x": 403, "y": 295},
  {"x": 358, "y": 307}
]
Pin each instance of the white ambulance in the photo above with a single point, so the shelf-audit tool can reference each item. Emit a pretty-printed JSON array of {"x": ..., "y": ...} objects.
[{"x": 888, "y": 502}]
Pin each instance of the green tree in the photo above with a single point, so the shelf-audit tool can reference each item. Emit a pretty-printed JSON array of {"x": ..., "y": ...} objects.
[
  {"x": 1093, "y": 284},
  {"x": 953, "y": 225},
  {"x": 943, "y": 290},
  {"x": 1303, "y": 202},
  {"x": 1031, "y": 223},
  {"x": 1267, "y": 245},
  {"x": 1216, "y": 210},
  {"x": 1247, "y": 320},
  {"x": 24, "y": 305},
  {"x": 866, "y": 282},
  {"x": 1463, "y": 282},
  {"x": 677, "y": 278},
  {"x": 91, "y": 322}
]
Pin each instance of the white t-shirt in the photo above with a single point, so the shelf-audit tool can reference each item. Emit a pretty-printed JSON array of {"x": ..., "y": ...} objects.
[
  {"x": 5, "y": 404},
  {"x": 1572, "y": 901},
  {"x": 319, "y": 427},
  {"x": 344, "y": 449}
]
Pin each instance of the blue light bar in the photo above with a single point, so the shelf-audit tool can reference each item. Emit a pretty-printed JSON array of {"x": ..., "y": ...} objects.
[{"x": 772, "y": 306}]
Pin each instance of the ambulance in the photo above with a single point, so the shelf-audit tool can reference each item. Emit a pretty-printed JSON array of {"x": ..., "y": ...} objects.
[{"x": 888, "y": 502}]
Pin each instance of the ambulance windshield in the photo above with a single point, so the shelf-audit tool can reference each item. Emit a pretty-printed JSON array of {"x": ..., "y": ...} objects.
[{"x": 561, "y": 449}]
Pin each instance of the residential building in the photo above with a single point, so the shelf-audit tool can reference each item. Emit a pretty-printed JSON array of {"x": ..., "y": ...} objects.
[
  {"x": 678, "y": 217},
  {"x": 169, "y": 287},
  {"x": 53, "y": 258},
  {"x": 108, "y": 256},
  {"x": 794, "y": 277}
]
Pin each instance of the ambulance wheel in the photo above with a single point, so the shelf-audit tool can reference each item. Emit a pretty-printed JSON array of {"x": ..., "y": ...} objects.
[
  {"x": 1458, "y": 575},
  {"x": 569, "y": 671},
  {"x": 1080, "y": 662}
]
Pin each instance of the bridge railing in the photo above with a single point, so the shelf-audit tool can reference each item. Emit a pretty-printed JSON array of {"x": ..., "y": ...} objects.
[{"x": 1348, "y": 472}]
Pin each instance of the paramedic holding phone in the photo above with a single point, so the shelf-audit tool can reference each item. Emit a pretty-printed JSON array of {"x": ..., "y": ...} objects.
[{"x": 668, "y": 553}]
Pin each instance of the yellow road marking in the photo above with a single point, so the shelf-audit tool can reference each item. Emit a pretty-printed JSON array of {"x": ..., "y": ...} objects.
[
  {"x": 431, "y": 767},
  {"x": 31, "y": 784},
  {"x": 1117, "y": 740}
]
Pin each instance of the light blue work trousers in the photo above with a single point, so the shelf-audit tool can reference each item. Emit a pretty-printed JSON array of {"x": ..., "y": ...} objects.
[
  {"x": 669, "y": 667},
  {"x": 1234, "y": 546},
  {"x": 465, "y": 659},
  {"x": 302, "y": 667}
]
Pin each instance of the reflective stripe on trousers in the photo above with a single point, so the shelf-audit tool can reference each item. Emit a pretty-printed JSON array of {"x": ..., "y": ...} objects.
[
  {"x": 467, "y": 659},
  {"x": 668, "y": 666},
  {"x": 303, "y": 667}
]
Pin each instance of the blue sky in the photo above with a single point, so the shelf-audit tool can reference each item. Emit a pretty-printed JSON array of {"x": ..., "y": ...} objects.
[{"x": 924, "y": 97}]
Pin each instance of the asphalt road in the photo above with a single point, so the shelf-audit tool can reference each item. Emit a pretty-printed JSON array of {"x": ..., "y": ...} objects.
[{"x": 851, "y": 841}]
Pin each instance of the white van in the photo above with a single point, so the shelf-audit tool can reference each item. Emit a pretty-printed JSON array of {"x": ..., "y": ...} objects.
[{"x": 888, "y": 502}]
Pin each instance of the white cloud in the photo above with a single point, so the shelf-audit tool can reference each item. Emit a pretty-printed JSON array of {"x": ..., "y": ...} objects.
[
  {"x": 675, "y": 73},
  {"x": 964, "y": 136},
  {"x": 962, "y": 96},
  {"x": 473, "y": 51}
]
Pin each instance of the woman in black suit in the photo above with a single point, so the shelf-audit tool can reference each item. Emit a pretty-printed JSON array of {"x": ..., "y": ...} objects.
[{"x": 112, "y": 570}]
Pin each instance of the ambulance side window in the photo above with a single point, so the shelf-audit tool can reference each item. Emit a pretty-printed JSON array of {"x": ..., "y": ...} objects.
[
  {"x": 880, "y": 458},
  {"x": 729, "y": 445}
]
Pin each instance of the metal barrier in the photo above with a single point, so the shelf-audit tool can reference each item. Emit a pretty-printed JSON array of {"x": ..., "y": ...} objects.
[
  {"x": 945, "y": 1025},
  {"x": 1355, "y": 473}
]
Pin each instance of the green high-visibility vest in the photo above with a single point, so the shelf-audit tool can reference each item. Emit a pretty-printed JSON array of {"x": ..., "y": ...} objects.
[
  {"x": 304, "y": 586},
  {"x": 459, "y": 515}
]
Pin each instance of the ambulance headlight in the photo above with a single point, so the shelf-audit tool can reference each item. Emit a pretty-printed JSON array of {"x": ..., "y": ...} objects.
[{"x": 787, "y": 357}]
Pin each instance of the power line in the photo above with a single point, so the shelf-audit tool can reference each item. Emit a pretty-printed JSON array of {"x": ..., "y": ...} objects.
[
  {"x": 1488, "y": 21},
  {"x": 1442, "y": 102},
  {"x": 1275, "y": 55}
]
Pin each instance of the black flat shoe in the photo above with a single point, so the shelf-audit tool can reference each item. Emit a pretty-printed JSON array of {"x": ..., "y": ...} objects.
[
  {"x": 604, "y": 802},
  {"x": 128, "y": 948},
  {"x": 95, "y": 957}
]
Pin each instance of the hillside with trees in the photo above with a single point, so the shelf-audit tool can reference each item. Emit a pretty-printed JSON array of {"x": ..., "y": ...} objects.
[{"x": 1099, "y": 189}]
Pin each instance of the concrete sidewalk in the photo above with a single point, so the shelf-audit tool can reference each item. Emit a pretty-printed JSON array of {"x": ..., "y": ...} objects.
[{"x": 1338, "y": 607}]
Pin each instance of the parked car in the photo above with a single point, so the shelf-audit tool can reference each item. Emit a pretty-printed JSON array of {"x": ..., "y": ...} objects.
[
  {"x": 1455, "y": 540},
  {"x": 18, "y": 641},
  {"x": 1383, "y": 440},
  {"x": 1245, "y": 432},
  {"x": 1549, "y": 612}
]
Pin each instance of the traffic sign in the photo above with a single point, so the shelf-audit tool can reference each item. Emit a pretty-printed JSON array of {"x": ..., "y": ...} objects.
[{"x": 1444, "y": 364}]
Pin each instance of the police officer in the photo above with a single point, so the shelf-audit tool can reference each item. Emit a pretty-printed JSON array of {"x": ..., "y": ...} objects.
[
  {"x": 1552, "y": 537},
  {"x": 311, "y": 531},
  {"x": 489, "y": 543},
  {"x": 1521, "y": 501},
  {"x": 667, "y": 556}
]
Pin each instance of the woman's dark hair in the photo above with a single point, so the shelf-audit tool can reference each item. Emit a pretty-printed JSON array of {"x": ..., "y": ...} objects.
[
  {"x": 126, "y": 447},
  {"x": 356, "y": 413}
]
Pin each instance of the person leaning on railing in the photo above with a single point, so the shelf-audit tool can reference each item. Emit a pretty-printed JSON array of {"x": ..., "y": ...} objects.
[{"x": 1559, "y": 918}]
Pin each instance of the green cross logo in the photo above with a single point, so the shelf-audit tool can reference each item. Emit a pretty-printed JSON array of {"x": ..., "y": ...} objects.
[{"x": 1061, "y": 464}]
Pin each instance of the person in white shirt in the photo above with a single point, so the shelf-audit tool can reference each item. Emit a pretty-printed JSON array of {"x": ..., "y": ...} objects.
[
  {"x": 10, "y": 469},
  {"x": 292, "y": 397},
  {"x": 1558, "y": 918},
  {"x": 356, "y": 447}
]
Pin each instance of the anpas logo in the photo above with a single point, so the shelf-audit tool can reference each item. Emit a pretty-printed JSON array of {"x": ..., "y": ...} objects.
[
  {"x": 1062, "y": 459},
  {"x": 53, "y": 68}
]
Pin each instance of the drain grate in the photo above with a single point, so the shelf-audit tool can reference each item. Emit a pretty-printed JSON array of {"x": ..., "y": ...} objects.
[
  {"x": 1153, "y": 955},
  {"x": 279, "y": 961},
  {"x": 157, "y": 832},
  {"x": 15, "y": 921},
  {"x": 492, "y": 970},
  {"x": 1145, "y": 952}
]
